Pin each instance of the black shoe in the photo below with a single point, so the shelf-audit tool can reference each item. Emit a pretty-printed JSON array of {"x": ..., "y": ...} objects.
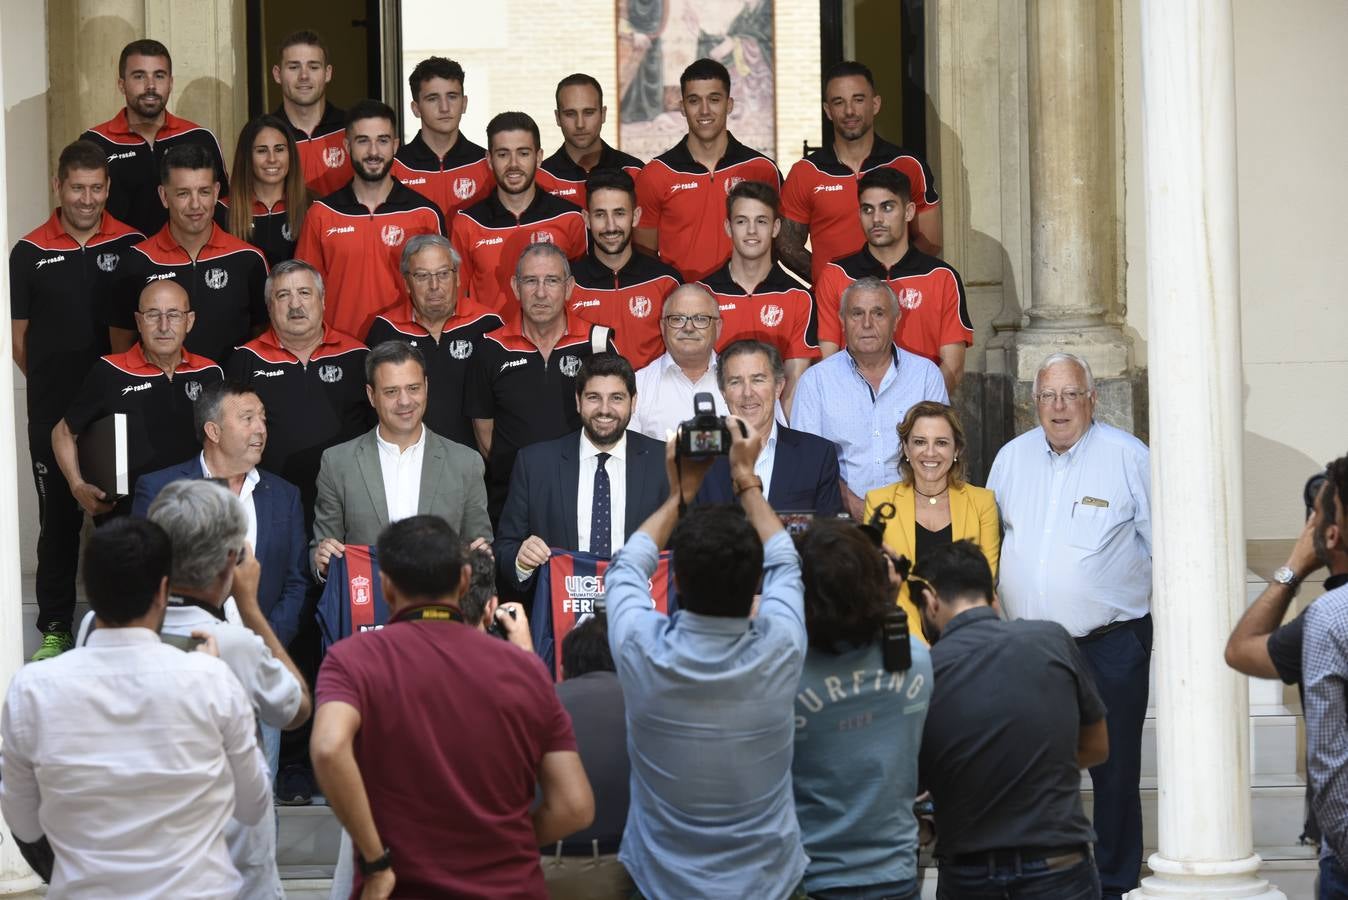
[{"x": 295, "y": 786}]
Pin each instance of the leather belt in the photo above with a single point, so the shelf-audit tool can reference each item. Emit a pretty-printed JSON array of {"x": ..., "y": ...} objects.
[{"x": 1054, "y": 858}]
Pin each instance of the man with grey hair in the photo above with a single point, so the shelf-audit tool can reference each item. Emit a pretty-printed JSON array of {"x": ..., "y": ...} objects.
[
  {"x": 857, "y": 399},
  {"x": 1074, "y": 496},
  {"x": 310, "y": 407},
  {"x": 443, "y": 326},
  {"x": 212, "y": 561},
  {"x": 398, "y": 469},
  {"x": 799, "y": 470},
  {"x": 690, "y": 324},
  {"x": 522, "y": 382}
]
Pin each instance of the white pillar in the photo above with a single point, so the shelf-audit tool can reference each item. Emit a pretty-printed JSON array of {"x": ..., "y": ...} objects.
[
  {"x": 1203, "y": 754},
  {"x": 16, "y": 879}
]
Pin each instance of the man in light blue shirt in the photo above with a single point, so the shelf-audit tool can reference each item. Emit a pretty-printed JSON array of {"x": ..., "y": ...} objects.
[
  {"x": 1075, "y": 501},
  {"x": 858, "y": 398},
  {"x": 710, "y": 692}
]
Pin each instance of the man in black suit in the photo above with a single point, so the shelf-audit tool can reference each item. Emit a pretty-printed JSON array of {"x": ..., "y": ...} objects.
[
  {"x": 566, "y": 493},
  {"x": 799, "y": 470}
]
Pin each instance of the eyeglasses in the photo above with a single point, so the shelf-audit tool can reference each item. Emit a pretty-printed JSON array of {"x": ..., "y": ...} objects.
[
  {"x": 531, "y": 282},
  {"x": 174, "y": 316},
  {"x": 423, "y": 277},
  {"x": 699, "y": 322},
  {"x": 1069, "y": 396}
]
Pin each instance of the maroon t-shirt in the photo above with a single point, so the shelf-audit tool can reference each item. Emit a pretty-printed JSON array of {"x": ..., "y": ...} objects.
[{"x": 454, "y": 724}]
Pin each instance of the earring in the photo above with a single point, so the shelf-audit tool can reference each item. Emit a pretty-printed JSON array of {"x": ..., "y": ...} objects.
[{"x": 956, "y": 459}]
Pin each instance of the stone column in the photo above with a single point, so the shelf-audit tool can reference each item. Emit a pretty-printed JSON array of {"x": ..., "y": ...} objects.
[
  {"x": 1203, "y": 754},
  {"x": 16, "y": 879},
  {"x": 1073, "y": 177}
]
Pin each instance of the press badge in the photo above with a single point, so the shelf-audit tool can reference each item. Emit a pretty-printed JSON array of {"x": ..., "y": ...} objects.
[{"x": 1095, "y": 501}]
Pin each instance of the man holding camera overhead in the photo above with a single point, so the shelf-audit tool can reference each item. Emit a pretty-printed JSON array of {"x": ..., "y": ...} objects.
[{"x": 710, "y": 691}]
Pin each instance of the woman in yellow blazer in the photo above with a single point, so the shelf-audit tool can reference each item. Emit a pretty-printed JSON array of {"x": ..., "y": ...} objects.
[{"x": 932, "y": 504}]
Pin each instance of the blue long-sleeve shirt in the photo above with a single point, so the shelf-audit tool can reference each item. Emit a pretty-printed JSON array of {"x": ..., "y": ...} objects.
[{"x": 710, "y": 732}]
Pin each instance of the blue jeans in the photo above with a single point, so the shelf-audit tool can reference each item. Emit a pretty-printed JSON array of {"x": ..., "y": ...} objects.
[
  {"x": 1120, "y": 662},
  {"x": 1030, "y": 880},
  {"x": 894, "y": 890},
  {"x": 1333, "y": 880},
  {"x": 271, "y": 749}
]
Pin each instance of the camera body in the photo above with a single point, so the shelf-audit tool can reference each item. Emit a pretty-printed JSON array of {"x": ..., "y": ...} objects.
[
  {"x": 706, "y": 433},
  {"x": 496, "y": 629}
]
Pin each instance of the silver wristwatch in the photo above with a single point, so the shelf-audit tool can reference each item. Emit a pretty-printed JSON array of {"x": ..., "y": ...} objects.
[{"x": 1284, "y": 575}]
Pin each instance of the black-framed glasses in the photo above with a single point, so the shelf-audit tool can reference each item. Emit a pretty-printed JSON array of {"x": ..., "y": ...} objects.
[{"x": 701, "y": 323}]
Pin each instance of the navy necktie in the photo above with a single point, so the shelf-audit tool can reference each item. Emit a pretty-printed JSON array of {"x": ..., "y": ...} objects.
[{"x": 601, "y": 511}]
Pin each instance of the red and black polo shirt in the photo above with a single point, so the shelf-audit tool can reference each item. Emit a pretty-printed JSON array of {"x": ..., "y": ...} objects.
[
  {"x": 561, "y": 177},
  {"x": 225, "y": 285},
  {"x": 271, "y": 229},
  {"x": 821, "y": 193},
  {"x": 529, "y": 398},
  {"x": 489, "y": 239},
  {"x": 323, "y": 157},
  {"x": 932, "y": 306},
  {"x": 310, "y": 407},
  {"x": 629, "y": 301},
  {"x": 778, "y": 312},
  {"x": 447, "y": 362},
  {"x": 460, "y": 178},
  {"x": 133, "y": 165},
  {"x": 686, "y": 204},
  {"x": 158, "y": 408},
  {"x": 359, "y": 253},
  {"x": 61, "y": 288}
]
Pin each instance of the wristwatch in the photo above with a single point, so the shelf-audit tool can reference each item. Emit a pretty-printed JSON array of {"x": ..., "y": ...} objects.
[
  {"x": 1284, "y": 575},
  {"x": 742, "y": 485},
  {"x": 378, "y": 864}
]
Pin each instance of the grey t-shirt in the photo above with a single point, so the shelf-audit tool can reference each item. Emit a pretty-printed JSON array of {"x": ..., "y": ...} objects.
[{"x": 595, "y": 702}]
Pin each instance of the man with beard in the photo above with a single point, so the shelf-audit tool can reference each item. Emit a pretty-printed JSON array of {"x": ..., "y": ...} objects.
[
  {"x": 819, "y": 198},
  {"x": 588, "y": 490},
  {"x": 443, "y": 327},
  {"x": 354, "y": 237},
  {"x": 581, "y": 114},
  {"x": 615, "y": 286},
  {"x": 490, "y": 236},
  {"x": 136, "y": 139}
]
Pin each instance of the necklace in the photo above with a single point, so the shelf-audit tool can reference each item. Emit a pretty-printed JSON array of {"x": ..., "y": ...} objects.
[{"x": 932, "y": 498}]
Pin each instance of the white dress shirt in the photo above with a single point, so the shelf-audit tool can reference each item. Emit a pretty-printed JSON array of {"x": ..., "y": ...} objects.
[
  {"x": 616, "y": 467},
  {"x": 131, "y": 756},
  {"x": 1077, "y": 542},
  {"x": 665, "y": 397},
  {"x": 245, "y": 497},
  {"x": 402, "y": 475},
  {"x": 767, "y": 458}
]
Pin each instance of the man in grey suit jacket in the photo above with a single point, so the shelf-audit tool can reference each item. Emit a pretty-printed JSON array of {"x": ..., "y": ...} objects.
[{"x": 399, "y": 468}]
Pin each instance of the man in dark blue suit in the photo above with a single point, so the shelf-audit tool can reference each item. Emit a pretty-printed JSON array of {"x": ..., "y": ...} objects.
[
  {"x": 586, "y": 491},
  {"x": 799, "y": 470},
  {"x": 232, "y": 426}
]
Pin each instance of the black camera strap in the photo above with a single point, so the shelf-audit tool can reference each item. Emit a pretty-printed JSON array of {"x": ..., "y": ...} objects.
[{"x": 433, "y": 612}]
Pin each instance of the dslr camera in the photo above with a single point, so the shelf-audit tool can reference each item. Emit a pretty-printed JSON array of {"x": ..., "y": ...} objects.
[{"x": 705, "y": 434}]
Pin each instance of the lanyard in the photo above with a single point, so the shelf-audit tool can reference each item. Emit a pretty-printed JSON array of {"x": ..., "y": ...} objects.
[
  {"x": 431, "y": 613},
  {"x": 215, "y": 611}
]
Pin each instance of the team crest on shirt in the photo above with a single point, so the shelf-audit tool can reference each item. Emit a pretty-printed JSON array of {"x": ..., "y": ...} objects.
[
  {"x": 640, "y": 306},
  {"x": 731, "y": 182},
  {"x": 910, "y": 298},
  {"x": 542, "y": 237},
  {"x": 286, "y": 233},
  {"x": 193, "y": 390},
  {"x": 216, "y": 278},
  {"x": 329, "y": 374},
  {"x": 40, "y": 468},
  {"x": 360, "y": 590},
  {"x": 333, "y": 157},
  {"x": 771, "y": 315},
  {"x": 107, "y": 262},
  {"x": 392, "y": 235},
  {"x": 569, "y": 365},
  {"x": 465, "y": 187},
  {"x": 461, "y": 349}
]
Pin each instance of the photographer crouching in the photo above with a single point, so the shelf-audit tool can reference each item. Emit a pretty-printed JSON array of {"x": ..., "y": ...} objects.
[
  {"x": 710, "y": 691},
  {"x": 860, "y": 706}
]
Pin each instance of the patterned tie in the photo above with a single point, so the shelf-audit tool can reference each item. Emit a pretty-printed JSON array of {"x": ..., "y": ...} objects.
[{"x": 601, "y": 510}]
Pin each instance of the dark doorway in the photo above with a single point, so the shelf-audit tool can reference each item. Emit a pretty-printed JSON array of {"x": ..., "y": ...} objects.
[
  {"x": 350, "y": 28},
  {"x": 871, "y": 31}
]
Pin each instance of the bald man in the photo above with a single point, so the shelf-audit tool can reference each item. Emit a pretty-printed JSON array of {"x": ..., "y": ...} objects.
[{"x": 690, "y": 324}]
